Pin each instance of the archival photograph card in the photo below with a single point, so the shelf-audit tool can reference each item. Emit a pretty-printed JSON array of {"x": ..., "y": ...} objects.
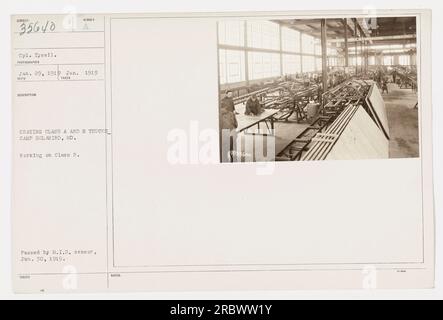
[{"x": 222, "y": 151}]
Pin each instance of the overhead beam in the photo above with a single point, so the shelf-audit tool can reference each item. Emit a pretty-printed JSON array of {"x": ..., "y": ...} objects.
[
  {"x": 312, "y": 27},
  {"x": 381, "y": 38},
  {"x": 359, "y": 24},
  {"x": 304, "y": 22}
]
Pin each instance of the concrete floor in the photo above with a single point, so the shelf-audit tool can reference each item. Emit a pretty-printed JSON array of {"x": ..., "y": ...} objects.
[
  {"x": 403, "y": 122},
  {"x": 285, "y": 132}
]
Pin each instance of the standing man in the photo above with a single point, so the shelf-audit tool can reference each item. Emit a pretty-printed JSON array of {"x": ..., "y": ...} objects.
[
  {"x": 228, "y": 128},
  {"x": 394, "y": 76},
  {"x": 384, "y": 87},
  {"x": 379, "y": 78},
  {"x": 228, "y": 102}
]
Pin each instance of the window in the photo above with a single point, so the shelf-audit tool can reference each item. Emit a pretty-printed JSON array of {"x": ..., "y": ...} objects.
[
  {"x": 263, "y": 65},
  {"x": 332, "y": 51},
  {"x": 388, "y": 60},
  {"x": 263, "y": 35},
  {"x": 232, "y": 66},
  {"x": 231, "y": 32},
  {"x": 318, "y": 50},
  {"x": 354, "y": 61},
  {"x": 404, "y": 60},
  {"x": 309, "y": 63},
  {"x": 371, "y": 61},
  {"x": 291, "y": 64},
  {"x": 318, "y": 64},
  {"x": 332, "y": 61},
  {"x": 308, "y": 45},
  {"x": 290, "y": 40},
  {"x": 387, "y": 47}
]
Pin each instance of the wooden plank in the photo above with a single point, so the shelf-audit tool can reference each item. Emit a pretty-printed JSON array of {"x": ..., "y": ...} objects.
[
  {"x": 319, "y": 149},
  {"x": 361, "y": 139},
  {"x": 377, "y": 104}
]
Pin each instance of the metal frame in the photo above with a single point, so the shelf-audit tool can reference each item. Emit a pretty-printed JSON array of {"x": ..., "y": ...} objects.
[{"x": 350, "y": 93}]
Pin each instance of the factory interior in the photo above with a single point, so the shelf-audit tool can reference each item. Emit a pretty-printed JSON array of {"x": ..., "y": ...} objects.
[{"x": 318, "y": 89}]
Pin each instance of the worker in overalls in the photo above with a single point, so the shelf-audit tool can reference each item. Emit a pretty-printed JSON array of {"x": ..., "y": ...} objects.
[{"x": 253, "y": 106}]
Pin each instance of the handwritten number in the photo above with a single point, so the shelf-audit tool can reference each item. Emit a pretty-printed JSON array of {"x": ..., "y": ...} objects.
[
  {"x": 45, "y": 27},
  {"x": 22, "y": 28},
  {"x": 35, "y": 27}
]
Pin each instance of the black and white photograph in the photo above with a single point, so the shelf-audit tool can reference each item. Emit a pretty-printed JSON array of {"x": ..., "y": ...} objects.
[{"x": 318, "y": 89}]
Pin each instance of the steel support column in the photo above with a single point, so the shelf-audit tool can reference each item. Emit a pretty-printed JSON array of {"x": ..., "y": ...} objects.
[
  {"x": 324, "y": 56},
  {"x": 345, "y": 22}
]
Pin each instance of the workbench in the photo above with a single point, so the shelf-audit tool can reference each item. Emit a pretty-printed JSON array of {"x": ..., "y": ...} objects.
[
  {"x": 255, "y": 134},
  {"x": 246, "y": 122}
]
